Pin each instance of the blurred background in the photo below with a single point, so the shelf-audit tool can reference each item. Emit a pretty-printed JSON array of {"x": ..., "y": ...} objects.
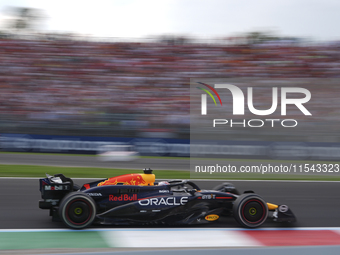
[{"x": 119, "y": 71}]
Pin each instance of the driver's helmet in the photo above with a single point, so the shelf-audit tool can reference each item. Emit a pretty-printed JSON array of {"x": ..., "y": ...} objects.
[{"x": 163, "y": 183}]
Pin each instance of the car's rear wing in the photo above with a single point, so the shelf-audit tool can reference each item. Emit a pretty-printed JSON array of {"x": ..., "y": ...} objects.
[{"x": 53, "y": 189}]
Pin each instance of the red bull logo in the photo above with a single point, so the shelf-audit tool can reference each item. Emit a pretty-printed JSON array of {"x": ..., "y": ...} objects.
[{"x": 124, "y": 197}]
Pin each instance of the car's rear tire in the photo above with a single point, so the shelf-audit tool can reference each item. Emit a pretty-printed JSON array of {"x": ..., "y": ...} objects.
[
  {"x": 250, "y": 210},
  {"x": 77, "y": 210}
]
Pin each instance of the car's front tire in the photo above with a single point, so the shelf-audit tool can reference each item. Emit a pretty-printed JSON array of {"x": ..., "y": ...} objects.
[
  {"x": 77, "y": 210},
  {"x": 250, "y": 210}
]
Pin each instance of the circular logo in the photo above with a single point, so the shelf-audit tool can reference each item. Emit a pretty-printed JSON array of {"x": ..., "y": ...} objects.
[
  {"x": 283, "y": 208},
  {"x": 252, "y": 211},
  {"x": 78, "y": 210}
]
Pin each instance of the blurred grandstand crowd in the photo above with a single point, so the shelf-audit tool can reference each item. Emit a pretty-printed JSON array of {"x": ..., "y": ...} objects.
[{"x": 74, "y": 87}]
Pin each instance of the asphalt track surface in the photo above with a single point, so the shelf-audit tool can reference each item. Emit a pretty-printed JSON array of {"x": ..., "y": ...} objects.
[{"x": 315, "y": 204}]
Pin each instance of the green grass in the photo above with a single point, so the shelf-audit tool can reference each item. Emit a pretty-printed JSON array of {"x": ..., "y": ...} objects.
[
  {"x": 91, "y": 172},
  {"x": 81, "y": 172}
]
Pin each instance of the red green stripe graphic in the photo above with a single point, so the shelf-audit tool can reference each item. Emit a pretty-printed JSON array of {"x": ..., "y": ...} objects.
[
  {"x": 213, "y": 90},
  {"x": 209, "y": 94}
]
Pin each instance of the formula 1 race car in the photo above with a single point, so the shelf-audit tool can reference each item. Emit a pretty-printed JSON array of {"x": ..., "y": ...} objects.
[{"x": 136, "y": 199}]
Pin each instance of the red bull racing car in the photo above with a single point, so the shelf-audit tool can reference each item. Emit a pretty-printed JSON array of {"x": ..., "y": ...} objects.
[{"x": 137, "y": 199}]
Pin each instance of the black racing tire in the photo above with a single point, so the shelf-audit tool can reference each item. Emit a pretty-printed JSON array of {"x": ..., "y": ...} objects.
[
  {"x": 250, "y": 210},
  {"x": 77, "y": 210}
]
